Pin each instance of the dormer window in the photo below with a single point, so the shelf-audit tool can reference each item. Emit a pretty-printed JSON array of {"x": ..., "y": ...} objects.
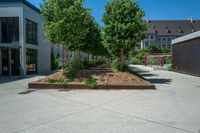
[
  {"x": 180, "y": 31},
  {"x": 167, "y": 30}
]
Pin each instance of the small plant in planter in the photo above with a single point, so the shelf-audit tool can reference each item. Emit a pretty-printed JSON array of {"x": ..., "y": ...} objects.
[
  {"x": 60, "y": 80},
  {"x": 91, "y": 82}
]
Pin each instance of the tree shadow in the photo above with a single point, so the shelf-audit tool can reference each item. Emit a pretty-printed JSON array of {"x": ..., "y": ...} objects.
[
  {"x": 160, "y": 81},
  {"x": 26, "y": 92},
  {"x": 148, "y": 75}
]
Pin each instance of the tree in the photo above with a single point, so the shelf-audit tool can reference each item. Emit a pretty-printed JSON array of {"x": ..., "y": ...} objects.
[
  {"x": 66, "y": 22},
  {"x": 124, "y": 27},
  {"x": 154, "y": 48}
]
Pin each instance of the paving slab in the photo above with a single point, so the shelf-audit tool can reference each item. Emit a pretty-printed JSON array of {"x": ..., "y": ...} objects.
[{"x": 173, "y": 107}]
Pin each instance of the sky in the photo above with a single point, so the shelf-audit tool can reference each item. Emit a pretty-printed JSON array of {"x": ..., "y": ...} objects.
[{"x": 154, "y": 9}]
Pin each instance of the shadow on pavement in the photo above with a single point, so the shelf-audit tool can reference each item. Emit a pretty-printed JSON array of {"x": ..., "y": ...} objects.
[
  {"x": 26, "y": 92},
  {"x": 148, "y": 75},
  {"x": 159, "y": 81},
  {"x": 7, "y": 79}
]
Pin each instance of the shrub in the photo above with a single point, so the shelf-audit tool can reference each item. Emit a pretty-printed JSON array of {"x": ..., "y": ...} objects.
[
  {"x": 75, "y": 64},
  {"x": 55, "y": 63},
  {"x": 52, "y": 80},
  {"x": 115, "y": 64},
  {"x": 136, "y": 61},
  {"x": 91, "y": 82},
  {"x": 70, "y": 72},
  {"x": 170, "y": 68}
]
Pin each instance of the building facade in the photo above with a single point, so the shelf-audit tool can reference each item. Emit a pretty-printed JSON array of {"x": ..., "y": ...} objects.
[
  {"x": 186, "y": 52},
  {"x": 22, "y": 47},
  {"x": 162, "y": 32}
]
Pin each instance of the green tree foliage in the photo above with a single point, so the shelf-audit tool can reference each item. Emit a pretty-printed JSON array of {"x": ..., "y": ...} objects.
[
  {"x": 155, "y": 48},
  {"x": 70, "y": 24},
  {"x": 124, "y": 27},
  {"x": 65, "y": 21},
  {"x": 93, "y": 41}
]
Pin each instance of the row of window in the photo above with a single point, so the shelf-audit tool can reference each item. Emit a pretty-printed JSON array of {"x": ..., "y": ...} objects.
[
  {"x": 161, "y": 45},
  {"x": 10, "y": 30},
  {"x": 165, "y": 39},
  {"x": 150, "y": 37}
]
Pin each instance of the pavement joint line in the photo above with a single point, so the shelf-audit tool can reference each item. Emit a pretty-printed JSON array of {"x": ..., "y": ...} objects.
[
  {"x": 52, "y": 120},
  {"x": 130, "y": 116},
  {"x": 147, "y": 120},
  {"x": 117, "y": 99}
]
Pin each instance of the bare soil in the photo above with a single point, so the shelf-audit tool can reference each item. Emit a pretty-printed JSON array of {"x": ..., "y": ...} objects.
[{"x": 103, "y": 76}]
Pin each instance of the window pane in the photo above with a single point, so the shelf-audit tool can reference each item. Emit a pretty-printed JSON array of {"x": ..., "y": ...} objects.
[
  {"x": 31, "y": 61},
  {"x": 31, "y": 32},
  {"x": 9, "y": 29}
]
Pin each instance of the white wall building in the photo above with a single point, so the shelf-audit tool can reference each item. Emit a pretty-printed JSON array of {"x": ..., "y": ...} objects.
[
  {"x": 162, "y": 32},
  {"x": 22, "y": 47}
]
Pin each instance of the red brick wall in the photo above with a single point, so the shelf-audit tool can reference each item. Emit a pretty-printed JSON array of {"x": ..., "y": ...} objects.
[{"x": 186, "y": 57}]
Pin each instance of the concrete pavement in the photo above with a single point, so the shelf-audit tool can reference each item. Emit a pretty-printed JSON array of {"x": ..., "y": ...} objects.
[{"x": 173, "y": 108}]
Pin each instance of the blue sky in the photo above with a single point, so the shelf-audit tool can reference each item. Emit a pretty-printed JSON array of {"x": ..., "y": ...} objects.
[{"x": 154, "y": 9}]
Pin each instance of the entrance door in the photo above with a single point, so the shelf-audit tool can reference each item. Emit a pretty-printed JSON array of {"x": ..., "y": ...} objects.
[
  {"x": 12, "y": 65},
  {"x": 5, "y": 61},
  {"x": 15, "y": 65}
]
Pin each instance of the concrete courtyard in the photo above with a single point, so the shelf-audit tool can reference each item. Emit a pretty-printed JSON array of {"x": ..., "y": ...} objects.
[{"x": 173, "y": 108}]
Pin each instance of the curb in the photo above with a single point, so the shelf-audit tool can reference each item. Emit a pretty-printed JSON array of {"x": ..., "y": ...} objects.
[{"x": 38, "y": 85}]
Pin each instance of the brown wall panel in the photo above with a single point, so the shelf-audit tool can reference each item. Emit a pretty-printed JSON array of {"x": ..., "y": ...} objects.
[{"x": 186, "y": 57}]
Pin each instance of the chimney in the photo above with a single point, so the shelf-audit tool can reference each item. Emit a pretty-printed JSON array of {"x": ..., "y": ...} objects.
[{"x": 191, "y": 20}]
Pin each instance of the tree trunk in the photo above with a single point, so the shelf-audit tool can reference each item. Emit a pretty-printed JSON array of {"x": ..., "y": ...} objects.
[
  {"x": 121, "y": 58},
  {"x": 63, "y": 58},
  {"x": 67, "y": 56},
  {"x": 78, "y": 56},
  {"x": 88, "y": 57}
]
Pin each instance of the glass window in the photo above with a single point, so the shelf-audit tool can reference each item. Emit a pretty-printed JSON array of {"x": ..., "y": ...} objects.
[
  {"x": 151, "y": 37},
  {"x": 158, "y": 39},
  {"x": 9, "y": 29},
  {"x": 163, "y": 45},
  {"x": 146, "y": 44},
  {"x": 31, "y": 61},
  {"x": 163, "y": 39},
  {"x": 169, "y": 46},
  {"x": 31, "y": 32},
  {"x": 168, "y": 39}
]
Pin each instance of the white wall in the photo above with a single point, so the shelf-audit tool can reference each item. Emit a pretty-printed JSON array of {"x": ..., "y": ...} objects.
[{"x": 10, "y": 11}]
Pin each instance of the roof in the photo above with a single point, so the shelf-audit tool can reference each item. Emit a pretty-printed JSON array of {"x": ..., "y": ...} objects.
[
  {"x": 21, "y": 1},
  {"x": 186, "y": 37},
  {"x": 172, "y": 27}
]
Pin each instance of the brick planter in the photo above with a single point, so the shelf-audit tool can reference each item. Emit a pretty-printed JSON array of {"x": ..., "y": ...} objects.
[{"x": 39, "y": 85}]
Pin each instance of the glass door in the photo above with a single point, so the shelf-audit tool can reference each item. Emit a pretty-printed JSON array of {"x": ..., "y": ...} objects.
[
  {"x": 15, "y": 63},
  {"x": 5, "y": 61}
]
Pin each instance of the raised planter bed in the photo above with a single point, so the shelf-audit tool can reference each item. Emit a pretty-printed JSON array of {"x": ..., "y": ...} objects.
[
  {"x": 39, "y": 85},
  {"x": 106, "y": 79}
]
